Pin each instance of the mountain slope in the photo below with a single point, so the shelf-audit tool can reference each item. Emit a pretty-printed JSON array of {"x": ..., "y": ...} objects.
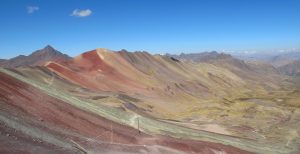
[
  {"x": 247, "y": 71},
  {"x": 291, "y": 69},
  {"x": 148, "y": 77},
  {"x": 39, "y": 57},
  {"x": 44, "y": 119},
  {"x": 210, "y": 88}
]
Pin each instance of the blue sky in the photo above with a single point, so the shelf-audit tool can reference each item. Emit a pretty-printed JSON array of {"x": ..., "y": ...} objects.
[{"x": 157, "y": 26}]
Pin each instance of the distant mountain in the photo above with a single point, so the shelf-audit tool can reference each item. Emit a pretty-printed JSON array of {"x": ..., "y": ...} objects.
[
  {"x": 275, "y": 58},
  {"x": 39, "y": 57},
  {"x": 213, "y": 57},
  {"x": 201, "y": 57},
  {"x": 255, "y": 55},
  {"x": 291, "y": 69},
  {"x": 285, "y": 58}
]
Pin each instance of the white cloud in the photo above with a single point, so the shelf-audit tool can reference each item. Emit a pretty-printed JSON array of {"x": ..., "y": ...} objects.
[
  {"x": 32, "y": 9},
  {"x": 81, "y": 13}
]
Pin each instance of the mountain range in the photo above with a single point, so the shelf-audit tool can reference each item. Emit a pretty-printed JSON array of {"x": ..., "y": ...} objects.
[
  {"x": 276, "y": 58},
  {"x": 105, "y": 101},
  {"x": 281, "y": 61}
]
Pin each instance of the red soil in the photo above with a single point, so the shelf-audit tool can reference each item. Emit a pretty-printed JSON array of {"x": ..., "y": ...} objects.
[
  {"x": 71, "y": 75},
  {"x": 84, "y": 69},
  {"x": 91, "y": 61}
]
